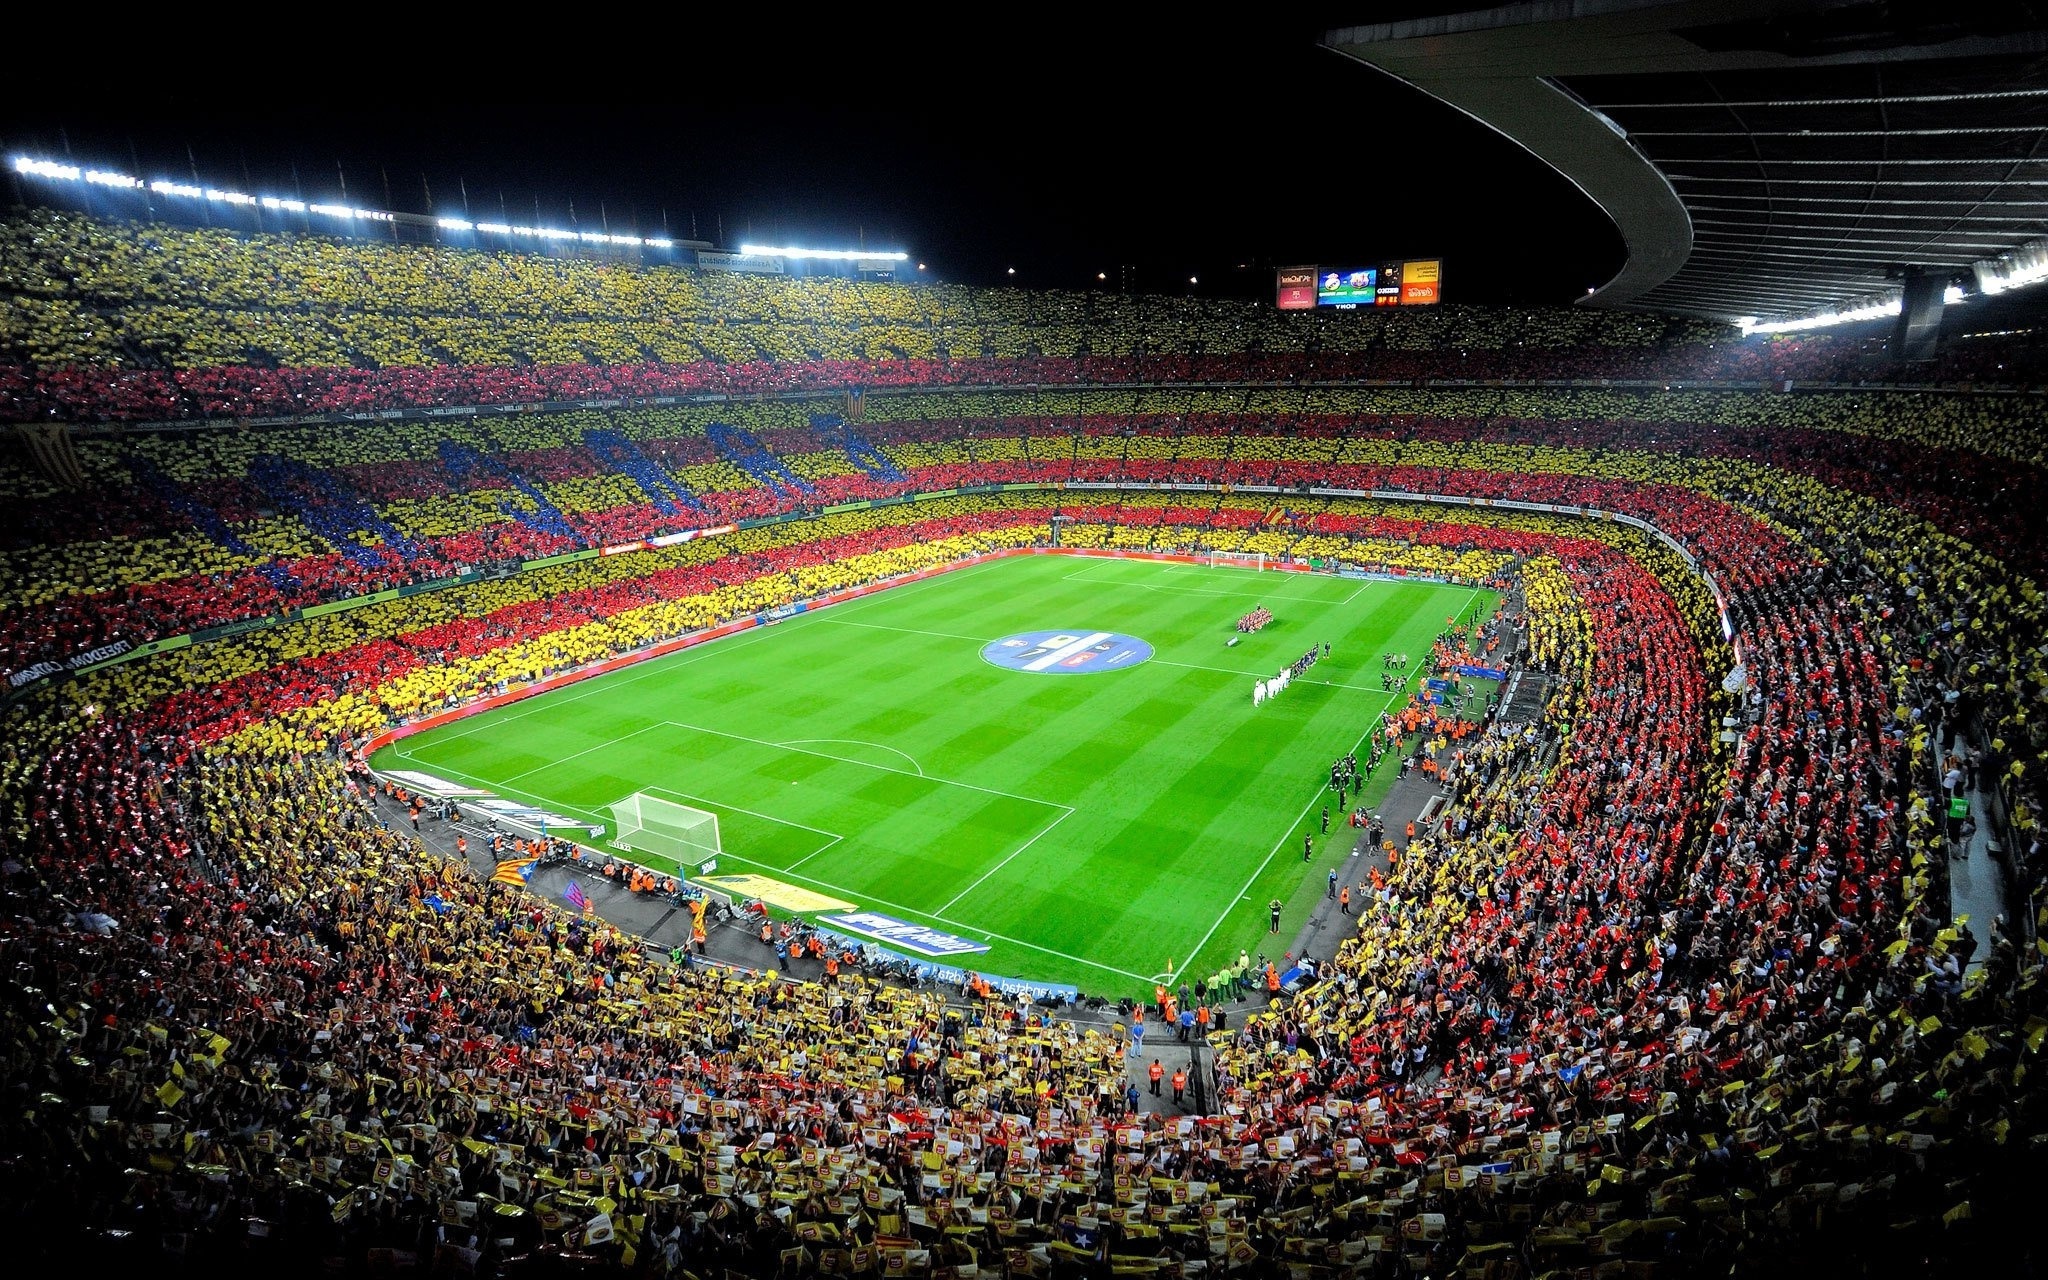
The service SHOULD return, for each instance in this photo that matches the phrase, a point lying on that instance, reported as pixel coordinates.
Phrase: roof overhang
(1690, 124)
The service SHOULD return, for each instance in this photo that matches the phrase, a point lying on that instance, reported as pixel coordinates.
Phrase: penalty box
(845, 822)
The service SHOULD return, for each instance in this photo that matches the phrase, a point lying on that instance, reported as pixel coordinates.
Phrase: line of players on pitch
(1265, 689)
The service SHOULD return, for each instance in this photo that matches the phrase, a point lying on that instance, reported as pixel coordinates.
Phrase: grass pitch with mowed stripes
(1088, 827)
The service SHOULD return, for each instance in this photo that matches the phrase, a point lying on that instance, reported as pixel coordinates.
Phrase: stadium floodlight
(47, 169)
(1875, 309)
(837, 255)
(30, 166)
(2016, 270)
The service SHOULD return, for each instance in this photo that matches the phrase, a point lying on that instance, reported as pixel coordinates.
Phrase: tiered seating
(470, 469)
(329, 510)
(210, 323)
(741, 448)
(1647, 1001)
(869, 459)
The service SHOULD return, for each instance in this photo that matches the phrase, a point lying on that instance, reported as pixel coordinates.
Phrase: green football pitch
(1086, 825)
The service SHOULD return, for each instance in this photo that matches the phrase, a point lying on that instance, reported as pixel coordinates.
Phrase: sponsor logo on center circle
(1066, 653)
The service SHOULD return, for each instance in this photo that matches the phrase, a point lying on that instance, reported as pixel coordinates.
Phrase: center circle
(1073, 652)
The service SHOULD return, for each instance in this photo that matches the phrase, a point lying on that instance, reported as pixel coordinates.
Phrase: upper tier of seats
(107, 320)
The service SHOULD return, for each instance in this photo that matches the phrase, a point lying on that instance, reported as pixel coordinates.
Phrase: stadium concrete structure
(1761, 160)
(1681, 916)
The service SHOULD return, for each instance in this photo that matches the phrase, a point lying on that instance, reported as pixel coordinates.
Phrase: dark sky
(1062, 150)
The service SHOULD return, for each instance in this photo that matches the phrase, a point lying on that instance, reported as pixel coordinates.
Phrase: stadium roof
(1761, 159)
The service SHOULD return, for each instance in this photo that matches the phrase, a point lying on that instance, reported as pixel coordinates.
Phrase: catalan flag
(515, 870)
(577, 898)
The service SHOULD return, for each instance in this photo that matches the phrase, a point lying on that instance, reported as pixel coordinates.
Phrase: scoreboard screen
(1336, 286)
(1411, 282)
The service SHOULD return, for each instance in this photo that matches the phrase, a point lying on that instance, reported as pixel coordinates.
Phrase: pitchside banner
(902, 933)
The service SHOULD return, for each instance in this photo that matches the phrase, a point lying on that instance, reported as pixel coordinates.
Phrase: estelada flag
(516, 871)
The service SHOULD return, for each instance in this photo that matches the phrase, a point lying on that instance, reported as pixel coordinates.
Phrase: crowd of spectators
(75, 583)
(1431, 1083)
(109, 320)
(1642, 996)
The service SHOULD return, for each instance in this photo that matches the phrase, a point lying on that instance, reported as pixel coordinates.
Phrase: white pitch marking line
(1005, 862)
(815, 852)
(909, 631)
(859, 742)
(586, 751)
(654, 666)
(970, 928)
(1284, 837)
(863, 764)
(540, 801)
(841, 889)
(1468, 602)
(1264, 675)
(1203, 591)
(785, 822)
(706, 649)
(891, 593)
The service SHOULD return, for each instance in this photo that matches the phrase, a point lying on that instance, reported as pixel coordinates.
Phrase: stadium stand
(1649, 999)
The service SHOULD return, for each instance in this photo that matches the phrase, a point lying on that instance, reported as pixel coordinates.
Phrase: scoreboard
(1410, 282)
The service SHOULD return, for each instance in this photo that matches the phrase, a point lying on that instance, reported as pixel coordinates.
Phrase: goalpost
(1238, 560)
(646, 824)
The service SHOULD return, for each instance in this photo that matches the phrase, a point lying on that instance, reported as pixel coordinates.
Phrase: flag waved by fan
(516, 870)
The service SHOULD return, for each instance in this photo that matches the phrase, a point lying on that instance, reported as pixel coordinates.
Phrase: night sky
(1064, 150)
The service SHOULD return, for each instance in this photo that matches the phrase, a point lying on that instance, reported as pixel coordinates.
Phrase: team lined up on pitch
(1265, 689)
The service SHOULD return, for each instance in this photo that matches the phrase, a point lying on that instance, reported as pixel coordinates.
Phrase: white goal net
(1238, 559)
(645, 824)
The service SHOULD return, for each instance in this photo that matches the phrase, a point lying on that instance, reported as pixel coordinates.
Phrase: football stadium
(849, 726)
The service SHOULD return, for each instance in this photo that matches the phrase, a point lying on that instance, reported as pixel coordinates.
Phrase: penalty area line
(719, 804)
(1006, 861)
(862, 764)
(558, 760)
(957, 924)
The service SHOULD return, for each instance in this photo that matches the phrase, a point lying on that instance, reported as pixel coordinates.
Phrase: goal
(645, 824)
(1238, 559)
